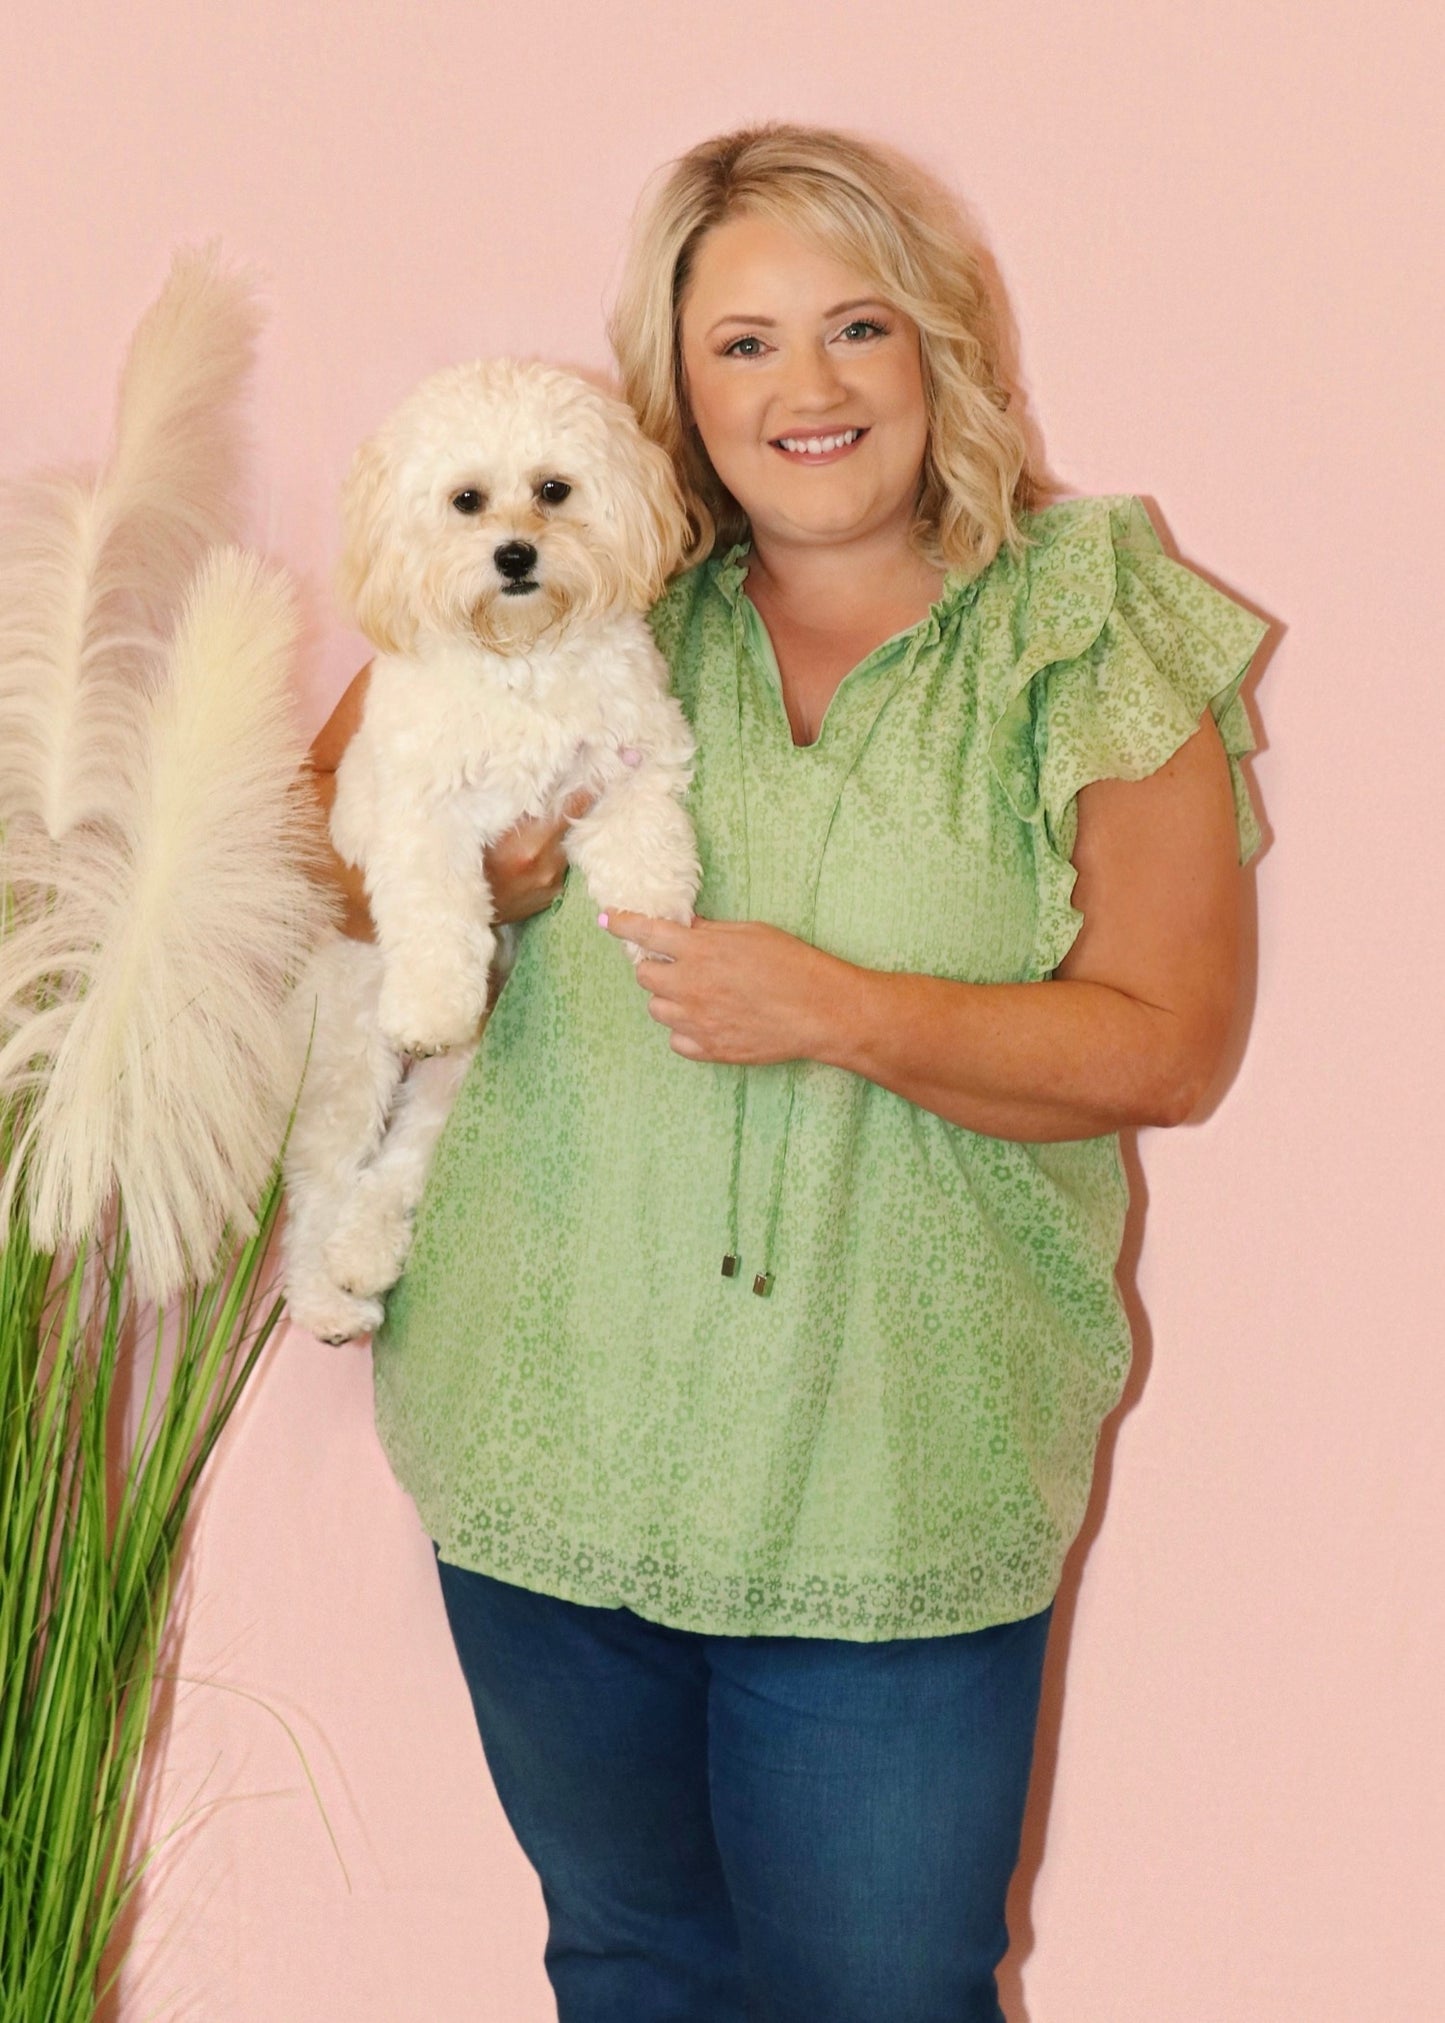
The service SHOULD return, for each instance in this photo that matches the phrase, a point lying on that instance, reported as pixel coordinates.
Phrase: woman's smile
(819, 449)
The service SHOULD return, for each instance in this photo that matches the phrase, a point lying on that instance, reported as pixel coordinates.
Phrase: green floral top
(897, 1439)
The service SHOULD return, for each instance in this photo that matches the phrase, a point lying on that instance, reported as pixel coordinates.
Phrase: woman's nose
(813, 379)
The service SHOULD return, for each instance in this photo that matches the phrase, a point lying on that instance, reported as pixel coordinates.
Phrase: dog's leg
(313, 1298)
(635, 846)
(433, 911)
(350, 1081)
(368, 1248)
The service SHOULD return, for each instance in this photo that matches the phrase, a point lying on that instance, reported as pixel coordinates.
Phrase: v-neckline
(731, 577)
(769, 654)
(736, 563)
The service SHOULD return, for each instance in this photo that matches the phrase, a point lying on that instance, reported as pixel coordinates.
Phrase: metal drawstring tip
(730, 1265)
(763, 1284)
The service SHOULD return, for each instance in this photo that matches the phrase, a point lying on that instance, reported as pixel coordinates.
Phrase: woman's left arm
(1129, 1030)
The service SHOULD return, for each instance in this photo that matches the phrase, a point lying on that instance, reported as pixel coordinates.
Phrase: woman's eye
(734, 350)
(552, 491)
(468, 501)
(864, 326)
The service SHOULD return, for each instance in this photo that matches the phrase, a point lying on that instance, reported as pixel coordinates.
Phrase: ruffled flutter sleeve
(1116, 652)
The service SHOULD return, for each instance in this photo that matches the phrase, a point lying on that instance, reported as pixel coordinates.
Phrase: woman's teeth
(818, 446)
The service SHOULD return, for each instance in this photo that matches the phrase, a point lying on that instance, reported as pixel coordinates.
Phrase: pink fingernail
(602, 920)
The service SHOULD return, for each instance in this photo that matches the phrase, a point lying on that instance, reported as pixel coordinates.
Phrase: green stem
(86, 1575)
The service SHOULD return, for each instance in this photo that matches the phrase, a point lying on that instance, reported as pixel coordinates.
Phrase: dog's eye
(469, 501)
(552, 491)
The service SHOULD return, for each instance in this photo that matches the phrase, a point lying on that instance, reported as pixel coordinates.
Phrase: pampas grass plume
(171, 1079)
(159, 851)
(92, 566)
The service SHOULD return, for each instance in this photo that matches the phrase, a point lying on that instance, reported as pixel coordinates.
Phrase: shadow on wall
(1066, 1605)
(1051, 1710)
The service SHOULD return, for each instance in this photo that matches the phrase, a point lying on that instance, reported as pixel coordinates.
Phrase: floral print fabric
(898, 1439)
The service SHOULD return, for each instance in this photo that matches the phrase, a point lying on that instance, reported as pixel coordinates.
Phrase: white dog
(505, 531)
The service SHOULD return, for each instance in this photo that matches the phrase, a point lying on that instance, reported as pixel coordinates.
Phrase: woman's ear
(371, 576)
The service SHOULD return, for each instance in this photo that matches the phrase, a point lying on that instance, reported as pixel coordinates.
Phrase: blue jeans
(776, 1829)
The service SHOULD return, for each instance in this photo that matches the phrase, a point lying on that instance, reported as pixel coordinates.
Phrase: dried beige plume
(159, 847)
(93, 566)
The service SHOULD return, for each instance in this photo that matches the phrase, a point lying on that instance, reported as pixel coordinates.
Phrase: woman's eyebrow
(770, 322)
(738, 316)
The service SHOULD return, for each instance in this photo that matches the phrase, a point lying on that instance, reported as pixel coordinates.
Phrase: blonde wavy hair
(863, 204)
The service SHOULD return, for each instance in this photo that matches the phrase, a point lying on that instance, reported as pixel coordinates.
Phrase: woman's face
(805, 384)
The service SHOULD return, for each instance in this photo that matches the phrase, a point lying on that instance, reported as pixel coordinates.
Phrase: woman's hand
(1129, 1030)
(525, 868)
(734, 990)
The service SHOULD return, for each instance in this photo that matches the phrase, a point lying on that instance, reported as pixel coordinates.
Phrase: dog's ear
(370, 575)
(654, 523)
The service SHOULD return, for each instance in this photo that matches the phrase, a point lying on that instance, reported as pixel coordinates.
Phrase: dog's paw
(427, 1015)
(368, 1247)
(333, 1315)
(658, 900)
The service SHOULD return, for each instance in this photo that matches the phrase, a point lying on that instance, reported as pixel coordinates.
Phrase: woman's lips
(832, 444)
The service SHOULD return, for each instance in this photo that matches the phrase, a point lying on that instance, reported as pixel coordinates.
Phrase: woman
(747, 1372)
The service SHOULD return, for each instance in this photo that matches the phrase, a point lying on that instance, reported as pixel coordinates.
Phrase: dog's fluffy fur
(497, 692)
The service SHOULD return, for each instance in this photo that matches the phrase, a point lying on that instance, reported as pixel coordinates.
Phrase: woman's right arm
(327, 747)
(525, 868)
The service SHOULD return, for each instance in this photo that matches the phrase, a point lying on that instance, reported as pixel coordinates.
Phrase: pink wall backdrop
(1222, 232)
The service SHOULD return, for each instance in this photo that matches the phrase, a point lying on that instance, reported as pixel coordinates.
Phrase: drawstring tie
(740, 1111)
(763, 1279)
(732, 1257)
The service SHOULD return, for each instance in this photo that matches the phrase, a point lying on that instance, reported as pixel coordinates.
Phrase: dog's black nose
(515, 559)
